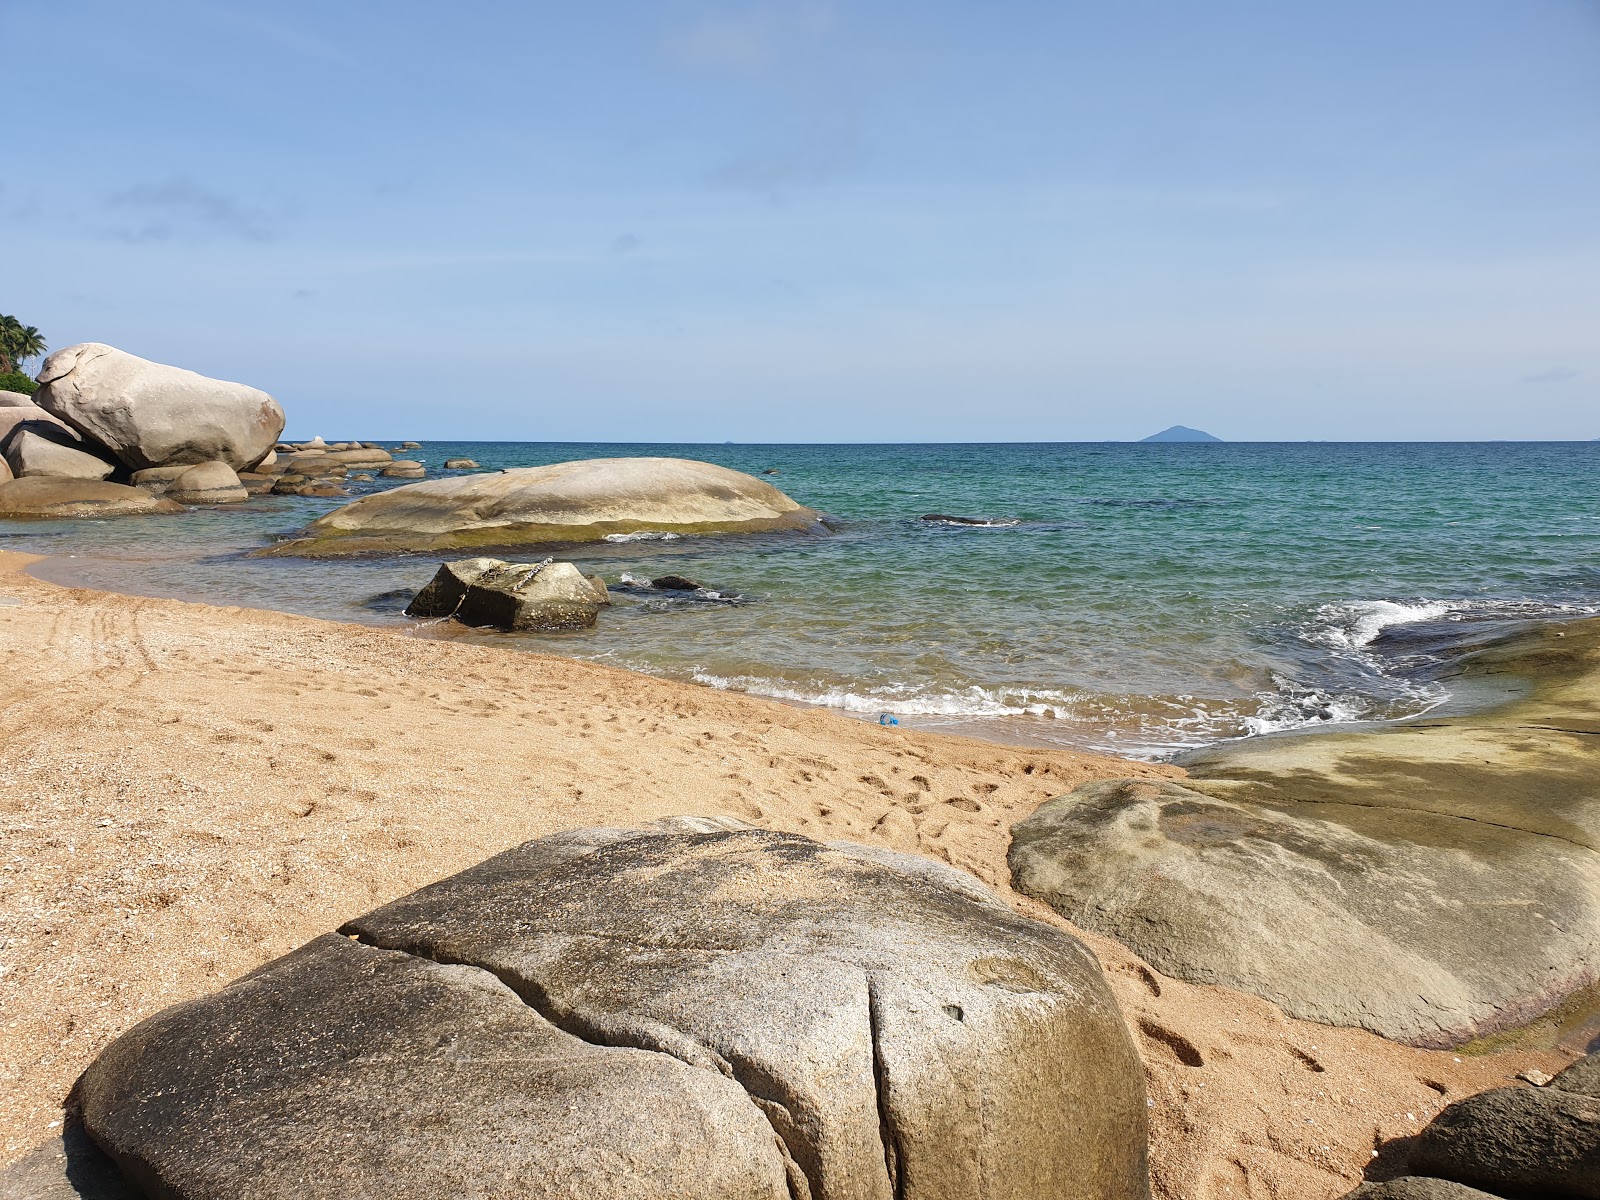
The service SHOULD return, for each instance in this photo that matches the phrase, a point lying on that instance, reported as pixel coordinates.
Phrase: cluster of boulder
(319, 468)
(700, 1010)
(520, 597)
(109, 433)
(1541, 1140)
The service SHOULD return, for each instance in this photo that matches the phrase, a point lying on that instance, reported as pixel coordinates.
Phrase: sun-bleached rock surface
(15, 400)
(566, 502)
(151, 415)
(49, 496)
(1433, 881)
(30, 416)
(729, 1013)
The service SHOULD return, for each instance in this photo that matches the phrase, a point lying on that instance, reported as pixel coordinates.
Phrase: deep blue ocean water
(1139, 598)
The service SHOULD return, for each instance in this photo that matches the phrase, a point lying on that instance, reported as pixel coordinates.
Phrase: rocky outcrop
(29, 416)
(31, 453)
(150, 415)
(567, 502)
(523, 597)
(1434, 881)
(720, 1015)
(1510, 1141)
(207, 483)
(46, 496)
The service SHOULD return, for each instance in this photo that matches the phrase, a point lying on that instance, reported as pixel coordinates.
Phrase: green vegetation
(16, 381)
(18, 342)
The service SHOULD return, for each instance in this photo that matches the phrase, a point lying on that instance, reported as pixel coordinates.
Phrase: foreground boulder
(1433, 882)
(722, 1015)
(30, 416)
(15, 400)
(151, 415)
(567, 502)
(207, 483)
(512, 596)
(32, 453)
(46, 496)
(1509, 1141)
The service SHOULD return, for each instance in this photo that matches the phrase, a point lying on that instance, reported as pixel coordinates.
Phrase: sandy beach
(190, 791)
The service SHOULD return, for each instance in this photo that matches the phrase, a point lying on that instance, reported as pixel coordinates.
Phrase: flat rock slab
(1434, 881)
(566, 502)
(48, 496)
(626, 1014)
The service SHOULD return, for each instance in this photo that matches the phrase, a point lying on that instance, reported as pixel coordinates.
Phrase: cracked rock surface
(612, 1013)
(1432, 881)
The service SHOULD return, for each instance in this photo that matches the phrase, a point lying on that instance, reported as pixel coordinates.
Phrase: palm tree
(17, 342)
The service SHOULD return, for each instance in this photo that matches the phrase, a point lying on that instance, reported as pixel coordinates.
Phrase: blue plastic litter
(886, 719)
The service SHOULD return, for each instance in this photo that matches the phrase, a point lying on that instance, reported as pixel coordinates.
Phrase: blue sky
(825, 222)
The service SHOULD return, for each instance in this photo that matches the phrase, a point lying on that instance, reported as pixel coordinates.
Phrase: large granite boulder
(207, 483)
(152, 415)
(567, 502)
(723, 1015)
(32, 453)
(511, 596)
(1434, 881)
(15, 400)
(47, 496)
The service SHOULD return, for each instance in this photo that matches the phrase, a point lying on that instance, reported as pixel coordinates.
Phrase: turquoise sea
(1136, 598)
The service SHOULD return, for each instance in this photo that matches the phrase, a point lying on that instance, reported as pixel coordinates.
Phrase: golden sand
(187, 791)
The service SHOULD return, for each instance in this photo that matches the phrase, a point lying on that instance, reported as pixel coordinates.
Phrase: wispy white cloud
(748, 40)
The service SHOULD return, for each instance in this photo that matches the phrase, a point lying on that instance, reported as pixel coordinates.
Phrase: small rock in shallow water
(524, 597)
(675, 583)
(460, 464)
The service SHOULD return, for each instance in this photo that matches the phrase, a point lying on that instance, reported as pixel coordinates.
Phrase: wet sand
(189, 791)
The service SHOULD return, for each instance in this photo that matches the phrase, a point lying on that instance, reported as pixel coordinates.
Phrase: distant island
(1181, 433)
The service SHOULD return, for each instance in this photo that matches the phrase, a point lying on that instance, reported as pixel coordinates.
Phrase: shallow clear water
(1140, 598)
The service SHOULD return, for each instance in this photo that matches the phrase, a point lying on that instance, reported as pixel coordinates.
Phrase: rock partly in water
(675, 583)
(1434, 881)
(151, 415)
(47, 496)
(404, 468)
(728, 1015)
(254, 484)
(567, 502)
(524, 597)
(156, 480)
(208, 483)
(460, 464)
(31, 453)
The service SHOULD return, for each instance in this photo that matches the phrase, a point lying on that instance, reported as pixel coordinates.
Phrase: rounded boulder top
(585, 501)
(151, 415)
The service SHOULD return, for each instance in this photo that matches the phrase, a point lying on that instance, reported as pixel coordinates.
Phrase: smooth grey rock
(47, 496)
(207, 483)
(460, 464)
(1433, 881)
(565, 502)
(32, 417)
(404, 468)
(152, 415)
(727, 1015)
(157, 480)
(1417, 1187)
(1516, 1141)
(15, 400)
(31, 453)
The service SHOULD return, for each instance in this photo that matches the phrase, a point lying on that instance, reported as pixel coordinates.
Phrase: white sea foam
(647, 535)
(1351, 626)
(906, 700)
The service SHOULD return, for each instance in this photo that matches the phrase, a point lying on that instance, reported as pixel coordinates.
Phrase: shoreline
(192, 790)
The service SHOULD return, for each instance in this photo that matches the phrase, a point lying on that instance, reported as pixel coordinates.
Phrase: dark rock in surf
(511, 596)
(722, 1015)
(675, 583)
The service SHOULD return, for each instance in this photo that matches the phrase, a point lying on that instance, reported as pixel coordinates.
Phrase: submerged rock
(1433, 881)
(207, 483)
(522, 597)
(567, 502)
(31, 453)
(726, 1015)
(44, 496)
(151, 415)
(675, 583)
